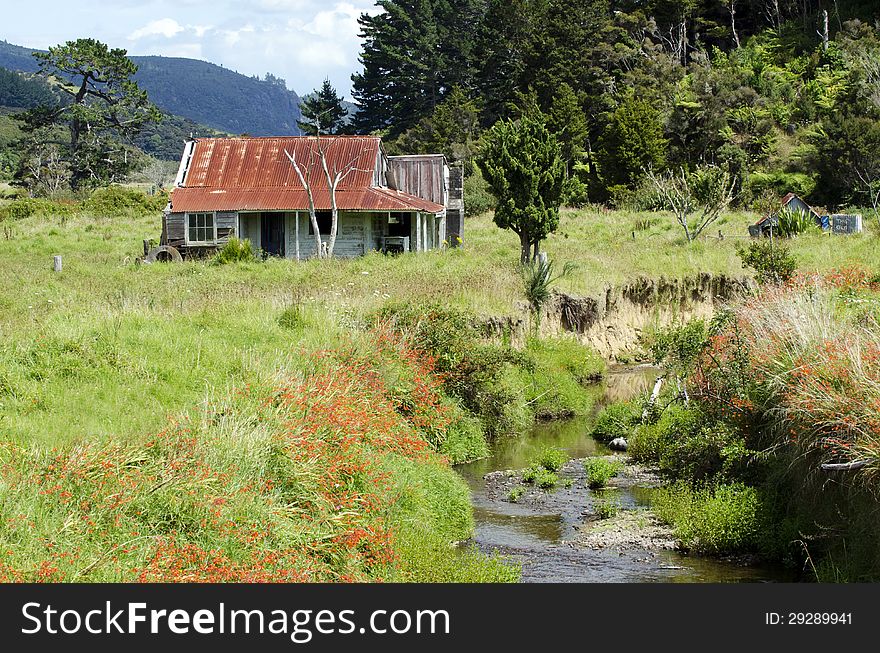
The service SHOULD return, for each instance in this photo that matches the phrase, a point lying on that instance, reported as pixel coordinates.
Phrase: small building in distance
(248, 188)
(838, 223)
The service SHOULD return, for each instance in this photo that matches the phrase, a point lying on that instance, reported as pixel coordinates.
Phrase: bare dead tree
(772, 13)
(305, 178)
(731, 8)
(695, 199)
(318, 149)
(825, 33)
(870, 180)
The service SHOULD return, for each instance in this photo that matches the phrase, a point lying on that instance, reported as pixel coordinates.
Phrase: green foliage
(465, 441)
(322, 112)
(601, 470)
(676, 347)
(538, 279)
(847, 158)
(552, 375)
(615, 421)
(26, 207)
(650, 442)
(522, 164)
(631, 143)
(552, 459)
(722, 519)
(778, 184)
(112, 201)
(575, 193)
(606, 508)
(106, 107)
(451, 129)
(516, 493)
(477, 198)
(20, 91)
(772, 262)
(235, 251)
(505, 388)
(540, 477)
(567, 121)
(793, 222)
(413, 53)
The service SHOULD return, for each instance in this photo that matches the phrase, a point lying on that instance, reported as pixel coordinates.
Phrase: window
(201, 228)
(325, 222)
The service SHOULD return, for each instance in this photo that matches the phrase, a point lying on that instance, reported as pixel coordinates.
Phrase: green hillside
(202, 92)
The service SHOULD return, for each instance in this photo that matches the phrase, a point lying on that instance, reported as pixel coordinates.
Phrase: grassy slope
(107, 347)
(110, 350)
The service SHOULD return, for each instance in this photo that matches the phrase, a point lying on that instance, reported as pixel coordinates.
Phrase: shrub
(477, 198)
(464, 441)
(600, 471)
(540, 476)
(552, 376)
(723, 519)
(115, 200)
(703, 454)
(773, 263)
(650, 442)
(552, 459)
(516, 493)
(793, 222)
(25, 207)
(615, 421)
(574, 192)
(235, 251)
(606, 508)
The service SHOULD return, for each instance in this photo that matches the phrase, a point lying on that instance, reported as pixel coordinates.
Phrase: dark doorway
(272, 233)
(400, 224)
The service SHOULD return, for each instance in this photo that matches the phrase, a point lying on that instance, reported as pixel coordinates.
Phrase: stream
(540, 534)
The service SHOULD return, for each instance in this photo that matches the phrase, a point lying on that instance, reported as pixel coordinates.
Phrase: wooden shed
(248, 187)
(431, 177)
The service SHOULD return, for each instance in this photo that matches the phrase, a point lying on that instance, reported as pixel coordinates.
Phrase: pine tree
(522, 164)
(567, 121)
(106, 109)
(632, 143)
(322, 111)
(452, 129)
(502, 45)
(415, 52)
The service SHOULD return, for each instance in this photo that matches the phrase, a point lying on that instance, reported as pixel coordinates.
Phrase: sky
(301, 41)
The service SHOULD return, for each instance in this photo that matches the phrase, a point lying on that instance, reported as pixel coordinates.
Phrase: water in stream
(538, 536)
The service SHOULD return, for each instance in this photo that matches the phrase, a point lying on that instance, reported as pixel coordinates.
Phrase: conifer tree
(323, 111)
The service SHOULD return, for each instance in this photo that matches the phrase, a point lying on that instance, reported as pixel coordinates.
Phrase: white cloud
(167, 27)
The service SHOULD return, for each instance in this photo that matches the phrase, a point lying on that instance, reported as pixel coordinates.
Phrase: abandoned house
(838, 223)
(250, 188)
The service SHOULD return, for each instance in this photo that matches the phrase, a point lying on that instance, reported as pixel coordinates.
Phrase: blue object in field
(826, 222)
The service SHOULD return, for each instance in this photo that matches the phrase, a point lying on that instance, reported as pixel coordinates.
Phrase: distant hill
(202, 92)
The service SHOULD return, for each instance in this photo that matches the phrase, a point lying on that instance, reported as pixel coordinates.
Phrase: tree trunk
(732, 7)
(525, 248)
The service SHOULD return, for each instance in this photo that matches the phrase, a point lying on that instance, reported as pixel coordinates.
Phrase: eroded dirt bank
(613, 321)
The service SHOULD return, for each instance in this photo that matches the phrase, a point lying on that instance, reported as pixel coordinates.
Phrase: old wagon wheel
(163, 253)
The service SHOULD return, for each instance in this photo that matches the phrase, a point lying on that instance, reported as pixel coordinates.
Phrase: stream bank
(613, 321)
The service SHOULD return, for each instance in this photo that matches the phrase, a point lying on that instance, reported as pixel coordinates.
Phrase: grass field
(108, 346)
(98, 359)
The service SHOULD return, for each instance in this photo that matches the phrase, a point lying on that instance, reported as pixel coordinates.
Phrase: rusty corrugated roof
(255, 174)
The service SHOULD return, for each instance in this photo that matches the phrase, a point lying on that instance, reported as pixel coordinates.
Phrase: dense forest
(783, 94)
